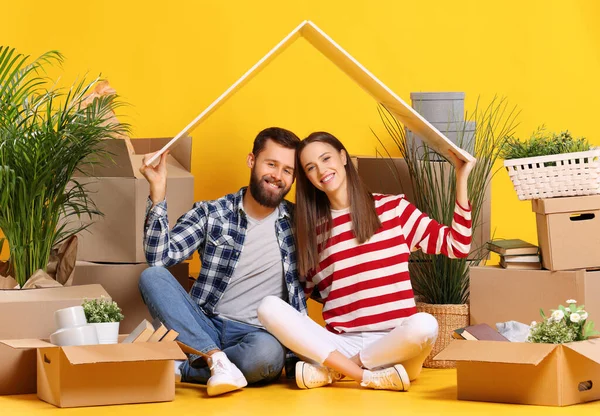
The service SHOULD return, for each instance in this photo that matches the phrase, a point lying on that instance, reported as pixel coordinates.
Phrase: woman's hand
(463, 169)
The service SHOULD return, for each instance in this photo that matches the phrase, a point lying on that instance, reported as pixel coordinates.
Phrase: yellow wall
(169, 60)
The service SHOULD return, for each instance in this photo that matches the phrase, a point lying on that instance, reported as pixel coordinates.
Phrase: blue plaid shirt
(217, 229)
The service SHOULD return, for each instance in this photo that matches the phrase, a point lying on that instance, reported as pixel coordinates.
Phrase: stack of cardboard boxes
(111, 251)
(569, 239)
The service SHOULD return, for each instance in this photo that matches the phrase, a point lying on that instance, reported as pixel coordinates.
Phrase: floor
(433, 394)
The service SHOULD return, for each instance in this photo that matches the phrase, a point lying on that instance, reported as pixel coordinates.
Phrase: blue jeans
(258, 354)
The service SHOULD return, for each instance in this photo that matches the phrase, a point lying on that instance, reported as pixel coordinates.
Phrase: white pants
(408, 344)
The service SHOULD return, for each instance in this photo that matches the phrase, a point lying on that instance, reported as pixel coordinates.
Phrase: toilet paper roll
(80, 335)
(70, 317)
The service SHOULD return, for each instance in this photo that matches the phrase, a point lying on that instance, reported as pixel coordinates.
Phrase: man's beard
(263, 195)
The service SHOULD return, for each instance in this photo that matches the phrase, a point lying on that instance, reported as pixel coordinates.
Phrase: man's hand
(156, 177)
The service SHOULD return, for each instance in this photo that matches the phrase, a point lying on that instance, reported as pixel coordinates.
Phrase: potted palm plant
(441, 284)
(46, 133)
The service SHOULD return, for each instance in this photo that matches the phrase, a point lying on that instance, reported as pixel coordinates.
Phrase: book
(512, 247)
(170, 336)
(528, 266)
(159, 331)
(457, 333)
(481, 332)
(461, 334)
(141, 333)
(533, 258)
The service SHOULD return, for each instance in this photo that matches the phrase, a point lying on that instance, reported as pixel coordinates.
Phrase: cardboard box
(121, 282)
(524, 373)
(95, 375)
(501, 295)
(30, 314)
(568, 231)
(17, 367)
(120, 193)
(391, 176)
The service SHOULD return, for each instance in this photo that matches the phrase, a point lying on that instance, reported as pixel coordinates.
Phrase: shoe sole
(300, 375)
(403, 376)
(226, 387)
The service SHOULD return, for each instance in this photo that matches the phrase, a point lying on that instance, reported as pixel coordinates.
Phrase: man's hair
(282, 137)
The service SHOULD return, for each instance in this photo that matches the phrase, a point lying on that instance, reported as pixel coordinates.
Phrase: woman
(353, 249)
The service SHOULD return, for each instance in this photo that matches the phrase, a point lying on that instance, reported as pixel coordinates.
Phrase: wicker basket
(449, 317)
(566, 174)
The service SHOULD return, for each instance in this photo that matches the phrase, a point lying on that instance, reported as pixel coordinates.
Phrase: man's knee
(152, 278)
(264, 363)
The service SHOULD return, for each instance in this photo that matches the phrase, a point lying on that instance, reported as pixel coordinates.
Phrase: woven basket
(566, 174)
(449, 317)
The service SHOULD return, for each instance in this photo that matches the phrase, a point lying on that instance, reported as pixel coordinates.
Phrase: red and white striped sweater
(366, 287)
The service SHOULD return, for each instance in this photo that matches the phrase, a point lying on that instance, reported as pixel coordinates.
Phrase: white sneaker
(309, 376)
(391, 378)
(177, 364)
(224, 375)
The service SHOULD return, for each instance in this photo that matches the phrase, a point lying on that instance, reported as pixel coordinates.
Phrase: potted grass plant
(3, 264)
(441, 284)
(551, 165)
(46, 133)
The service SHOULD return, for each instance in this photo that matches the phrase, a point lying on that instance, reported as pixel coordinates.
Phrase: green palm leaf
(45, 137)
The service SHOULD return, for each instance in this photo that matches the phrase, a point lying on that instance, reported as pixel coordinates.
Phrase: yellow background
(169, 60)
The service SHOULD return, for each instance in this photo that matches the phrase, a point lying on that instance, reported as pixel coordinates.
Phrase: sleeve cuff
(467, 209)
(158, 210)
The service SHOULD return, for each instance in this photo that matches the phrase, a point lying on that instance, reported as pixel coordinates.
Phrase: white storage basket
(566, 174)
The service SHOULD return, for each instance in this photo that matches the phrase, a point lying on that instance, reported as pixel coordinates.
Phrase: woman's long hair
(314, 210)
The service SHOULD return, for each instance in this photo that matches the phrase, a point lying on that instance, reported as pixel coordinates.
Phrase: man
(247, 250)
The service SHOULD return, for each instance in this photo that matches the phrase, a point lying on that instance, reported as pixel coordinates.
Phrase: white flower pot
(108, 332)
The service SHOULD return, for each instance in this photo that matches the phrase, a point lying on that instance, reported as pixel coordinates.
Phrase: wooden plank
(343, 60)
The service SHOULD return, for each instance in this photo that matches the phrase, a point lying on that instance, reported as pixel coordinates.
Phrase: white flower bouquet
(565, 324)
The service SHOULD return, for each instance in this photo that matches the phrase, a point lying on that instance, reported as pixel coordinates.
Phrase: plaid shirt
(217, 229)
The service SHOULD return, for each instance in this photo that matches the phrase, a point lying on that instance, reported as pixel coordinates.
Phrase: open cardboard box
(390, 176)
(93, 375)
(568, 231)
(29, 313)
(120, 192)
(525, 373)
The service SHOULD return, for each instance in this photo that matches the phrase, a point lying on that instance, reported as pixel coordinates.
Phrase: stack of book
(151, 332)
(516, 254)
